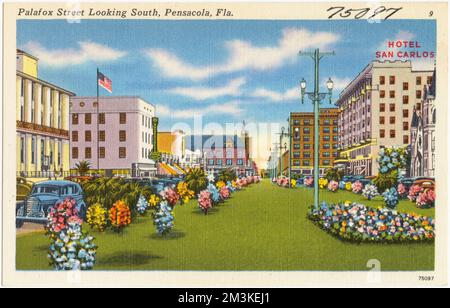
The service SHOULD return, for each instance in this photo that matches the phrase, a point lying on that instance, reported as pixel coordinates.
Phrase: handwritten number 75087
(342, 12)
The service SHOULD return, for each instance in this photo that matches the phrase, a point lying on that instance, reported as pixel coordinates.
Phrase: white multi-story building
(423, 142)
(376, 109)
(124, 133)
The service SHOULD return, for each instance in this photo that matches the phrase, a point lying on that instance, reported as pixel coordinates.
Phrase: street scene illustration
(226, 145)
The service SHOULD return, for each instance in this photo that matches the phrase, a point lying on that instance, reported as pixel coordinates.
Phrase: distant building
(302, 140)
(124, 135)
(221, 152)
(423, 142)
(375, 110)
(42, 129)
(172, 147)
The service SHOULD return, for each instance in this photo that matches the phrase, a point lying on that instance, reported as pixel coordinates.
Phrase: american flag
(105, 82)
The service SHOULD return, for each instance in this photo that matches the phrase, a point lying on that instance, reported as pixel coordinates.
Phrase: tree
(83, 167)
(196, 180)
(227, 175)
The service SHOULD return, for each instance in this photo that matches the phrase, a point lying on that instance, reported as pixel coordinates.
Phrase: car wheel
(19, 223)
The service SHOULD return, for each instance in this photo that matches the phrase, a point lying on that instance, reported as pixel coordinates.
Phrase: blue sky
(228, 71)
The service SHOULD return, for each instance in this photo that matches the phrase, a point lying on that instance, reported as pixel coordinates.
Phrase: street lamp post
(316, 97)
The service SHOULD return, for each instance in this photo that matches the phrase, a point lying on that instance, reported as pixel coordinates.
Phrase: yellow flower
(221, 184)
(348, 186)
(154, 201)
(293, 183)
(323, 183)
(96, 216)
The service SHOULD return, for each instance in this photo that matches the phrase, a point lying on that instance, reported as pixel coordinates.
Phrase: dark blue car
(43, 196)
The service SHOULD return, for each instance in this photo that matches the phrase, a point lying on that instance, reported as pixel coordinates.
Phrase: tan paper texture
(179, 79)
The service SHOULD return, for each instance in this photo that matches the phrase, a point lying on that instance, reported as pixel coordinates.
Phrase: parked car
(23, 188)
(408, 182)
(43, 196)
(425, 182)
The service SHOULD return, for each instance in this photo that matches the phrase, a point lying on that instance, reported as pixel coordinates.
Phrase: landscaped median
(262, 227)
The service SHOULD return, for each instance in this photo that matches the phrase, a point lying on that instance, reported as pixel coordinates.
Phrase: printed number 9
(431, 13)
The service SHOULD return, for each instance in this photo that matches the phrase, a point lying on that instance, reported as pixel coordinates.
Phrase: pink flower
(333, 186)
(357, 187)
(414, 192)
(309, 181)
(204, 201)
(224, 193)
(426, 199)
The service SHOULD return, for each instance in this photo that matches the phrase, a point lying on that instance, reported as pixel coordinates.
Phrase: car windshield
(54, 190)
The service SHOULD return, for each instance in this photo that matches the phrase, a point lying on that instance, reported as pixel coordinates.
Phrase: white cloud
(243, 55)
(233, 88)
(87, 51)
(288, 95)
(230, 108)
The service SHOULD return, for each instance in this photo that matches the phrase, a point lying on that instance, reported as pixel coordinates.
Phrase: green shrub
(196, 180)
(385, 181)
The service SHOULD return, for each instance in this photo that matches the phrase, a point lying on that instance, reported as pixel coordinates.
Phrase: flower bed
(354, 222)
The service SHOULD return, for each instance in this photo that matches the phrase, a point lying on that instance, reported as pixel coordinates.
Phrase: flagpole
(98, 126)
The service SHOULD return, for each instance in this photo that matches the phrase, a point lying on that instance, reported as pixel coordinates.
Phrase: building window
(122, 152)
(391, 79)
(392, 133)
(382, 94)
(33, 150)
(22, 87)
(59, 152)
(418, 81)
(405, 86)
(211, 162)
(335, 138)
(326, 162)
(296, 154)
(219, 162)
(326, 130)
(382, 80)
(405, 99)
(75, 153)
(101, 135)
(229, 162)
(326, 146)
(326, 122)
(87, 136)
(382, 107)
(122, 136)
(240, 162)
(101, 118)
(306, 138)
(306, 154)
(123, 118)
(306, 130)
(87, 152)
(392, 107)
(75, 118)
(429, 80)
(391, 94)
(101, 152)
(306, 146)
(326, 154)
(75, 136)
(405, 113)
(391, 120)
(418, 94)
(381, 120)
(326, 138)
(296, 122)
(306, 122)
(87, 118)
(405, 126)
(306, 163)
(382, 133)
(405, 139)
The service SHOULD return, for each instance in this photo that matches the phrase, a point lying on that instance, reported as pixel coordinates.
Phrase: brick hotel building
(302, 140)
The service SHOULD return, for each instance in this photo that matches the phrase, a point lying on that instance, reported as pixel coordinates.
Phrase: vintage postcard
(225, 144)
